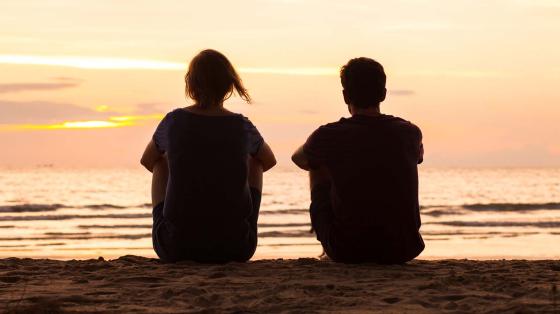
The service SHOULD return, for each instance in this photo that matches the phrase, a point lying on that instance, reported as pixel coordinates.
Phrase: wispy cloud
(455, 73)
(138, 64)
(317, 71)
(308, 112)
(401, 92)
(90, 62)
(38, 115)
(115, 63)
(43, 112)
(61, 83)
(149, 108)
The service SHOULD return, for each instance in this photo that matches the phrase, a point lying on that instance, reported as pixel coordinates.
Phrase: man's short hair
(363, 80)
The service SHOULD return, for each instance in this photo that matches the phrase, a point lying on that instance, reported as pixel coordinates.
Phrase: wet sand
(134, 284)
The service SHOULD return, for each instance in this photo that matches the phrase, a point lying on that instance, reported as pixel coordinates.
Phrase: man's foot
(324, 257)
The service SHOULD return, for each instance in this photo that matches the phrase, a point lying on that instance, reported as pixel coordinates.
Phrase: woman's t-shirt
(208, 199)
(161, 135)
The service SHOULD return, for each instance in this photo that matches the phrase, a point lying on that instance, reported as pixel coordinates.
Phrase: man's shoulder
(404, 124)
(329, 127)
(326, 132)
(389, 121)
(334, 125)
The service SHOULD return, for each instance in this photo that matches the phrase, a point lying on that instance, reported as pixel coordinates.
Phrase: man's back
(372, 164)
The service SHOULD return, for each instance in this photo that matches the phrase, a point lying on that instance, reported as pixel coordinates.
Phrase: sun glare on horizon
(111, 122)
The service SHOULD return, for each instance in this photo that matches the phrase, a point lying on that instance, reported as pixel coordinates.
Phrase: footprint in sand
(168, 294)
(217, 275)
(451, 306)
(10, 279)
(391, 300)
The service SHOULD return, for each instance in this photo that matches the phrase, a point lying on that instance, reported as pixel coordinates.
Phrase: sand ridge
(133, 284)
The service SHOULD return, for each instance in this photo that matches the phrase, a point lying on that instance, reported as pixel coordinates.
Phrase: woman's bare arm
(151, 156)
(266, 157)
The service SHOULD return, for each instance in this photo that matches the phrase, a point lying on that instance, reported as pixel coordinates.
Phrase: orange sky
(84, 83)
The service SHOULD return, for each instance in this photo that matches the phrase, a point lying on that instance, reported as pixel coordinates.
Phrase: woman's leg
(160, 174)
(255, 179)
(160, 234)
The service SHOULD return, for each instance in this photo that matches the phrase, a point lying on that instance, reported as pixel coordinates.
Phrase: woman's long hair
(211, 79)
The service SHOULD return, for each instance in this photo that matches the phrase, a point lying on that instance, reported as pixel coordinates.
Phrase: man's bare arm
(421, 153)
(300, 159)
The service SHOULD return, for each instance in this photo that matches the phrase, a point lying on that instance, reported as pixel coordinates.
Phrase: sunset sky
(84, 83)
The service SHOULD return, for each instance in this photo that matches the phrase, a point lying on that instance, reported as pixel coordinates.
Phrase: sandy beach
(134, 284)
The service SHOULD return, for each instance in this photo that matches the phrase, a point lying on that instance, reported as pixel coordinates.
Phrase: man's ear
(383, 95)
(346, 98)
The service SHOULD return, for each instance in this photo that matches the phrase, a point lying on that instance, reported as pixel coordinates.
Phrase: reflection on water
(475, 213)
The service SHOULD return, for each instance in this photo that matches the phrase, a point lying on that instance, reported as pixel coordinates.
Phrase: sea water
(62, 213)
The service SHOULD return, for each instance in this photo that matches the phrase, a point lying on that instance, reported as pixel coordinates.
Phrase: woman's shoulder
(172, 113)
(247, 122)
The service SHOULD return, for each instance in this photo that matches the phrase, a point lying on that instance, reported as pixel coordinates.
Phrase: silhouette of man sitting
(364, 175)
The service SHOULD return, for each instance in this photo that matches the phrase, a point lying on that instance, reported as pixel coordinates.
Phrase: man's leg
(255, 180)
(318, 176)
(321, 207)
(160, 174)
(160, 235)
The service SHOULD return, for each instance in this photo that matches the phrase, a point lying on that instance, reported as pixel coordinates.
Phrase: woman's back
(207, 166)
(208, 197)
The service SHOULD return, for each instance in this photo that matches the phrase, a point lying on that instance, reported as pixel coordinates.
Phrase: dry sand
(133, 284)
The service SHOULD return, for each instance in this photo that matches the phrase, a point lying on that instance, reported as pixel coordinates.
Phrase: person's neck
(372, 111)
(209, 107)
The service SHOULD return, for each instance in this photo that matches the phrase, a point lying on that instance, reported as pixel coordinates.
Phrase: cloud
(308, 112)
(61, 83)
(401, 92)
(456, 73)
(66, 79)
(150, 108)
(303, 71)
(90, 62)
(101, 63)
(39, 115)
(16, 112)
(21, 87)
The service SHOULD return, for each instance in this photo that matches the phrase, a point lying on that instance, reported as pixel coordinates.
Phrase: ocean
(51, 212)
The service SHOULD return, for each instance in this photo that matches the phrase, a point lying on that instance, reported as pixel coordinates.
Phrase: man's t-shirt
(372, 162)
